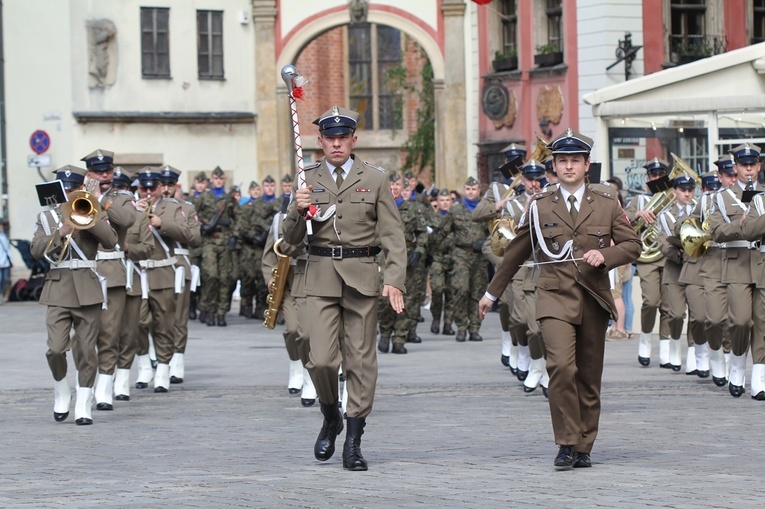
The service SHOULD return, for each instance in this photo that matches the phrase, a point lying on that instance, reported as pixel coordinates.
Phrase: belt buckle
(337, 252)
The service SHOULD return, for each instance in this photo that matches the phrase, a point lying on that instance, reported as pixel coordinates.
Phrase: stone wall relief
(102, 53)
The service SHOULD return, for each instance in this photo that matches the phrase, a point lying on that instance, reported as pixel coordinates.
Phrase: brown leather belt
(340, 252)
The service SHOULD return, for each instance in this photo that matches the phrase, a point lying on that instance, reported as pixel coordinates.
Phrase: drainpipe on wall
(3, 152)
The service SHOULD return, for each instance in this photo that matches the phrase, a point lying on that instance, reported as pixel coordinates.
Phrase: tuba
(277, 286)
(81, 211)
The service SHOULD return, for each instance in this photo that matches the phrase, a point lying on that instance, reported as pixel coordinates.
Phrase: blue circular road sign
(39, 141)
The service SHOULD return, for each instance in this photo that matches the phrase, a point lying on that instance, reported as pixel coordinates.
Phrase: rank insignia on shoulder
(312, 166)
(373, 166)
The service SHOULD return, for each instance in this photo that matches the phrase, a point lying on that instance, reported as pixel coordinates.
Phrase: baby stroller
(29, 289)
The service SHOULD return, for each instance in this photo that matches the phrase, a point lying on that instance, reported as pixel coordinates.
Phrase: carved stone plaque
(102, 53)
(550, 104)
(499, 104)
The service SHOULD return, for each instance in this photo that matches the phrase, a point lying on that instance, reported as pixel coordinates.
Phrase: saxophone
(276, 288)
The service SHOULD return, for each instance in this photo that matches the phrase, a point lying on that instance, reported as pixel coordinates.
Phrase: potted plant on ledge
(548, 55)
(507, 61)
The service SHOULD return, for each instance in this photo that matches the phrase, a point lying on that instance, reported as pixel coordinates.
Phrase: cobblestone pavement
(451, 428)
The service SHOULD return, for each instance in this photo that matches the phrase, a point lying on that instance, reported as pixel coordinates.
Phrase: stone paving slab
(451, 428)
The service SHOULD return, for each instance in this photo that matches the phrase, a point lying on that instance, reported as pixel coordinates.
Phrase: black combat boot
(221, 320)
(193, 306)
(332, 426)
(384, 344)
(412, 337)
(435, 327)
(246, 311)
(352, 458)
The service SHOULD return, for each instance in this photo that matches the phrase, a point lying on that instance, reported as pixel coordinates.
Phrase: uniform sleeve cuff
(490, 297)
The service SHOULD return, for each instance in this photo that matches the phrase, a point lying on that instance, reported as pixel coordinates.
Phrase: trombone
(81, 211)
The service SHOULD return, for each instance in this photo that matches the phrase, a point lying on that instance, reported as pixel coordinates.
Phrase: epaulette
(375, 167)
(187, 202)
(171, 200)
(603, 190)
(312, 166)
(124, 191)
(547, 191)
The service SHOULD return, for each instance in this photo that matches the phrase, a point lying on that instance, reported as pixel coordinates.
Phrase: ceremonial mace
(295, 84)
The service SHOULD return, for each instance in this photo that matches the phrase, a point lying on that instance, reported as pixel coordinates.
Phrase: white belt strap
(740, 244)
(155, 264)
(110, 255)
(75, 264)
(180, 278)
(181, 251)
(144, 284)
(101, 279)
(194, 283)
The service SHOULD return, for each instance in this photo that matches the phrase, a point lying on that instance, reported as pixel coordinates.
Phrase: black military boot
(352, 458)
(246, 311)
(259, 310)
(384, 344)
(221, 320)
(211, 319)
(193, 306)
(203, 316)
(461, 335)
(448, 331)
(412, 337)
(435, 327)
(332, 426)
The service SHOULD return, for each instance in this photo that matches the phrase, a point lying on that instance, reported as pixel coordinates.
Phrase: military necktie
(572, 209)
(339, 177)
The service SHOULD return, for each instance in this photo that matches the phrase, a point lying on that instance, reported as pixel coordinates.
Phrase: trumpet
(81, 211)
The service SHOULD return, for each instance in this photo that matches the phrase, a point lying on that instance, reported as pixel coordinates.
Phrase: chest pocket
(363, 206)
(554, 237)
(320, 198)
(598, 236)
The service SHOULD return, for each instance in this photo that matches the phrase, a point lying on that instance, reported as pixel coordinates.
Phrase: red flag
(482, 2)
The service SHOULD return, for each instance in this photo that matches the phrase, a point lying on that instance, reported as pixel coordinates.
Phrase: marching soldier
(341, 278)
(295, 336)
(171, 191)
(499, 201)
(673, 292)
(168, 226)
(574, 301)
(398, 325)
(469, 274)
(694, 276)
(121, 212)
(259, 222)
(195, 253)
(650, 272)
(74, 294)
(740, 259)
(753, 228)
(216, 213)
(137, 245)
(440, 247)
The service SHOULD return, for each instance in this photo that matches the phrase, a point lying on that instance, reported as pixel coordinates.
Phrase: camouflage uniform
(469, 277)
(439, 249)
(415, 233)
(216, 257)
(195, 252)
(259, 223)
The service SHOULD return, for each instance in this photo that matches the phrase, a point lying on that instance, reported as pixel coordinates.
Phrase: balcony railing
(688, 48)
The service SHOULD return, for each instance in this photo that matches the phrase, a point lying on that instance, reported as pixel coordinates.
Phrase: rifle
(209, 227)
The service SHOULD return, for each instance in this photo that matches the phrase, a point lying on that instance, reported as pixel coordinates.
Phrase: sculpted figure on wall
(102, 53)
(550, 104)
(359, 10)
